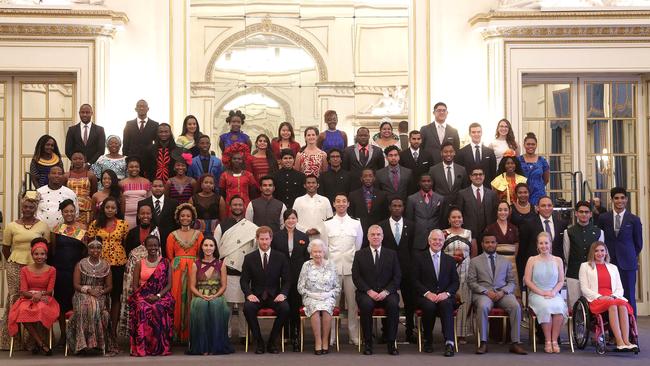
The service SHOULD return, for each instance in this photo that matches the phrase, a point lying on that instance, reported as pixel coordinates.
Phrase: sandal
(547, 347)
(556, 347)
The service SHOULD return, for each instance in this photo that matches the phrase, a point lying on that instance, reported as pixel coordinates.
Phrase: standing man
(475, 154)
(624, 239)
(368, 204)
(376, 275)
(51, 195)
(235, 237)
(265, 282)
(436, 281)
(398, 236)
(140, 132)
(344, 237)
(335, 179)
(448, 177)
(478, 204)
(86, 137)
(438, 132)
(416, 158)
(290, 183)
(163, 210)
(423, 208)
(577, 240)
(266, 210)
(360, 156)
(395, 179)
(206, 162)
(313, 209)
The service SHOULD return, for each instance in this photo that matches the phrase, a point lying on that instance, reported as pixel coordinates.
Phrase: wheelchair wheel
(601, 345)
(581, 323)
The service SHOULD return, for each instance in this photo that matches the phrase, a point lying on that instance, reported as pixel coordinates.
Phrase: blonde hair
(592, 250)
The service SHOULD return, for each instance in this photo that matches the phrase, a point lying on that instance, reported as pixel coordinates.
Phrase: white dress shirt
(372, 251)
(480, 189)
(550, 223)
(344, 237)
(312, 212)
(399, 223)
(440, 130)
(453, 172)
(161, 199)
(268, 255)
(480, 152)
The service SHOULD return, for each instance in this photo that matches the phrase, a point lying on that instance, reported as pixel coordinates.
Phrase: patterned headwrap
(95, 243)
(237, 147)
(119, 140)
(40, 245)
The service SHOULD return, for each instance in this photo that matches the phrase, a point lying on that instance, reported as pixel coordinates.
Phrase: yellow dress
(81, 187)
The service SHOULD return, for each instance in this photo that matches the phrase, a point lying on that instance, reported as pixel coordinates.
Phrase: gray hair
(316, 242)
(435, 231)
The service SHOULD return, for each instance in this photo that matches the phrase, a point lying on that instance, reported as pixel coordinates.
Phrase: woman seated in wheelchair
(601, 285)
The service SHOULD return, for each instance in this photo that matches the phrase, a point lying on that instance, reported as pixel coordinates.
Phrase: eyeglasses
(584, 212)
(477, 174)
(440, 111)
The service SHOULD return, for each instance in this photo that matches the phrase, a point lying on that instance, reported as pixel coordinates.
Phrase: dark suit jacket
(299, 254)
(424, 163)
(424, 274)
(132, 240)
(476, 219)
(93, 149)
(405, 185)
(439, 176)
(385, 276)
(165, 221)
(534, 226)
(135, 142)
(358, 209)
(465, 157)
(425, 216)
(352, 164)
(625, 247)
(404, 249)
(275, 279)
(431, 143)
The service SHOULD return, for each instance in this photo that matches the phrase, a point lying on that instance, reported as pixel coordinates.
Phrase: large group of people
(163, 242)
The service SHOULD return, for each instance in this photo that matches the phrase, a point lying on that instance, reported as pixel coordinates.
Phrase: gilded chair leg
(302, 332)
(456, 335)
(570, 324)
(246, 341)
(338, 329)
(532, 328)
(11, 347)
(505, 329)
(282, 339)
(419, 334)
(359, 335)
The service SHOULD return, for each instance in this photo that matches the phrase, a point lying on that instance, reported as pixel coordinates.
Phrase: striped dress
(179, 191)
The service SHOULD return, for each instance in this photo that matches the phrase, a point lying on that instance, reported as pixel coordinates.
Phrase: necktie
(156, 208)
(617, 223)
(450, 180)
(376, 257)
(493, 265)
(363, 156)
(477, 154)
(436, 264)
(141, 126)
(266, 261)
(398, 233)
(426, 198)
(547, 227)
(441, 133)
(85, 134)
(478, 195)
(396, 179)
(415, 156)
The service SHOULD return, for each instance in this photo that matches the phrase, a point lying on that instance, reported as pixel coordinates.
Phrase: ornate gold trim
(56, 30)
(581, 31)
(119, 17)
(251, 90)
(265, 26)
(557, 15)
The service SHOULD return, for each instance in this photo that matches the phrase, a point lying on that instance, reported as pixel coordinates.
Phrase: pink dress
(131, 194)
(311, 164)
(25, 310)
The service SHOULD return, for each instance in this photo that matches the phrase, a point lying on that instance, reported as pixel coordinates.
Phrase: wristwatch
(159, 296)
(448, 294)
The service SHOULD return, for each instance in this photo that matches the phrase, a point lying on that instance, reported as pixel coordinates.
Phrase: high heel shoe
(325, 351)
(547, 347)
(318, 352)
(556, 347)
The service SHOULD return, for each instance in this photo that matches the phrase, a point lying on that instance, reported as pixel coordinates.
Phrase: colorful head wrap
(40, 245)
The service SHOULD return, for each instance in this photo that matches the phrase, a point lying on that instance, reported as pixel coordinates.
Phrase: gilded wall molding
(56, 30)
(557, 15)
(577, 31)
(117, 17)
(267, 27)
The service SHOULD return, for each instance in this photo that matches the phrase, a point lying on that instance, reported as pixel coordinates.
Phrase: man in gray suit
(395, 179)
(492, 283)
(437, 132)
(360, 156)
(478, 204)
(423, 208)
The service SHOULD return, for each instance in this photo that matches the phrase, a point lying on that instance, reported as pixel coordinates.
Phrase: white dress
(499, 147)
(319, 287)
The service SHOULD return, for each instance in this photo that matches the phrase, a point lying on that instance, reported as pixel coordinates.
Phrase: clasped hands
(377, 296)
(437, 297)
(253, 298)
(495, 295)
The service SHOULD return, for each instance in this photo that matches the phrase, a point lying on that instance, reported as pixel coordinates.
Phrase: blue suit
(624, 249)
(215, 168)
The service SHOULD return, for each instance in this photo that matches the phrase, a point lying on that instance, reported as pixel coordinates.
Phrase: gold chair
(418, 314)
(265, 313)
(337, 324)
(532, 328)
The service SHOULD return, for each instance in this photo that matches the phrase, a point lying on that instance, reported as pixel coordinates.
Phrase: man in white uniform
(313, 209)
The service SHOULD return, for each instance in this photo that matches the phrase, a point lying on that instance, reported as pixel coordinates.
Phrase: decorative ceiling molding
(115, 17)
(56, 30)
(576, 31)
(557, 15)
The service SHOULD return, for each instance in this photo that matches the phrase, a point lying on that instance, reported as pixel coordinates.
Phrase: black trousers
(444, 310)
(408, 295)
(366, 306)
(295, 302)
(250, 311)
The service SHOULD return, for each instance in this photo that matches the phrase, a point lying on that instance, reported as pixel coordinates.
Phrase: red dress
(24, 310)
(275, 147)
(259, 167)
(241, 185)
(599, 306)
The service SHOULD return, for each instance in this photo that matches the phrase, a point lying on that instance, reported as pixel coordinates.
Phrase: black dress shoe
(367, 350)
(428, 348)
(325, 351)
(296, 345)
(272, 349)
(318, 352)
(392, 350)
(259, 349)
(449, 350)
(482, 348)
(411, 338)
(242, 340)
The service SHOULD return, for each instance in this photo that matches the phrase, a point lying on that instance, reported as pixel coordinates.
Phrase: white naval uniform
(312, 212)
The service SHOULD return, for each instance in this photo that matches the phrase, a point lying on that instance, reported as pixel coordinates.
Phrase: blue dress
(535, 174)
(545, 276)
(333, 139)
(230, 138)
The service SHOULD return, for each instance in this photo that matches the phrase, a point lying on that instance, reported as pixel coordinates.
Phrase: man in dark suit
(398, 236)
(624, 240)
(448, 177)
(436, 281)
(335, 179)
(85, 136)
(360, 156)
(423, 208)
(478, 204)
(368, 203)
(395, 179)
(438, 132)
(297, 254)
(475, 154)
(265, 283)
(415, 158)
(163, 210)
(376, 275)
(140, 132)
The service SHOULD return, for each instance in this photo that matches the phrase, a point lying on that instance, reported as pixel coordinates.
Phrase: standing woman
(332, 138)
(286, 140)
(521, 209)
(16, 248)
(83, 183)
(311, 160)
(189, 138)
(209, 311)
(236, 180)
(90, 324)
(504, 143)
(508, 176)
(151, 306)
(507, 236)
(535, 168)
(68, 247)
(110, 187)
(181, 187)
(182, 248)
(113, 160)
(36, 304)
(460, 246)
(235, 119)
(210, 207)
(385, 137)
(158, 157)
(112, 232)
(134, 189)
(46, 155)
(263, 162)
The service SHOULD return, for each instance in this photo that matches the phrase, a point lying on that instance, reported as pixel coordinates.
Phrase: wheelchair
(584, 323)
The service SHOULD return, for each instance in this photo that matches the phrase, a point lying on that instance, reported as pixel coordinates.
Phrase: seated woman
(319, 286)
(90, 324)
(151, 306)
(209, 311)
(544, 277)
(36, 304)
(601, 284)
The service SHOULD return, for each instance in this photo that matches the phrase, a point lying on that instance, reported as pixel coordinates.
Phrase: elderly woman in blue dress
(544, 278)
(319, 286)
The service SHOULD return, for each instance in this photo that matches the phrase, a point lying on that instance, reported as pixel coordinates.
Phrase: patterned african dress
(113, 249)
(182, 254)
(105, 163)
(81, 187)
(237, 184)
(132, 193)
(179, 191)
(311, 164)
(41, 169)
(64, 257)
(230, 138)
(458, 246)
